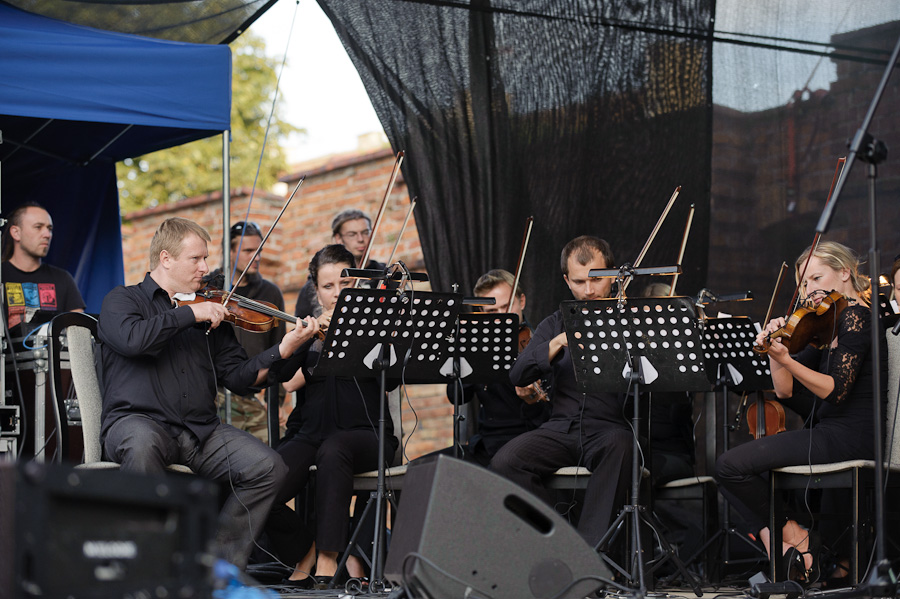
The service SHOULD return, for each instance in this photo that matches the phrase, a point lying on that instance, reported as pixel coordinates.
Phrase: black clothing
(331, 403)
(160, 370)
(49, 289)
(158, 361)
(842, 424)
(584, 429)
(567, 402)
(671, 437)
(502, 416)
(338, 434)
(308, 302)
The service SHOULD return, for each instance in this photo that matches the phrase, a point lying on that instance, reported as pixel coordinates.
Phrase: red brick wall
(357, 181)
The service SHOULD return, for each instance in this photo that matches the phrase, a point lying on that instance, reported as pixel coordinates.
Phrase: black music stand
(732, 364)
(634, 345)
(376, 332)
(482, 351)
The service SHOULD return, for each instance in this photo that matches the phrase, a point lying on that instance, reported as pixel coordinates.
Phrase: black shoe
(303, 583)
(814, 549)
(793, 566)
(322, 582)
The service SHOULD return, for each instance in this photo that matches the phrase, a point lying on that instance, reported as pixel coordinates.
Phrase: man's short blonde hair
(493, 278)
(170, 237)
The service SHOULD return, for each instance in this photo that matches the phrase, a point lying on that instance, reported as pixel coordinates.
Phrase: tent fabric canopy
(206, 22)
(75, 100)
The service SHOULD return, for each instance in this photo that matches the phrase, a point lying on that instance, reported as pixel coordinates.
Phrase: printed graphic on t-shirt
(24, 299)
(47, 296)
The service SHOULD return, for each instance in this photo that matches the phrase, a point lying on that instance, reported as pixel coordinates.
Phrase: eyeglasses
(352, 235)
(247, 228)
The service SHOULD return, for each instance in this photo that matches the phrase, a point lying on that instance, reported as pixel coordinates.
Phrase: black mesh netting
(585, 115)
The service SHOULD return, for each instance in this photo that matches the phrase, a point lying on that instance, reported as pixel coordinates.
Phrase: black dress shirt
(569, 405)
(158, 361)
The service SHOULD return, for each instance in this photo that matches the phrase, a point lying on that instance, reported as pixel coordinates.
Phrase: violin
(524, 340)
(810, 324)
(250, 315)
(765, 417)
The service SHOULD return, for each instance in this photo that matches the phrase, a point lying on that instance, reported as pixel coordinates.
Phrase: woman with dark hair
(336, 432)
(833, 385)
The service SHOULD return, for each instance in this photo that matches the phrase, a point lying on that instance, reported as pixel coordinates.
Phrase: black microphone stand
(882, 581)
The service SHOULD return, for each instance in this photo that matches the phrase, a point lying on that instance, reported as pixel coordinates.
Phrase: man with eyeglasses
(352, 229)
(248, 412)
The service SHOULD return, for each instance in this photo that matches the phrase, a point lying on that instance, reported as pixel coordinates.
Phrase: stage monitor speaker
(89, 534)
(464, 531)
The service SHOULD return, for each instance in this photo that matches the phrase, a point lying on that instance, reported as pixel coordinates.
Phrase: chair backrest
(87, 387)
(891, 434)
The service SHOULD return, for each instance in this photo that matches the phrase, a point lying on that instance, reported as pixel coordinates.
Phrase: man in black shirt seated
(29, 284)
(161, 363)
(587, 430)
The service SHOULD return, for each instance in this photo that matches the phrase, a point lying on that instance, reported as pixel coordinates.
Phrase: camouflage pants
(248, 413)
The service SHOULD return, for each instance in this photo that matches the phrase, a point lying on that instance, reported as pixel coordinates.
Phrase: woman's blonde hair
(837, 257)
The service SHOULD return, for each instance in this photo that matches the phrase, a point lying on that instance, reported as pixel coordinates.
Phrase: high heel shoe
(814, 550)
(793, 566)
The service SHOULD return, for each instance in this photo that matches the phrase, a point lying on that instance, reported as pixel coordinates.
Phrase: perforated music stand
(482, 351)
(377, 333)
(642, 344)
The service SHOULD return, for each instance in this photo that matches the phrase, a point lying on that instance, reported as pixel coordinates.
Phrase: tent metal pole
(226, 226)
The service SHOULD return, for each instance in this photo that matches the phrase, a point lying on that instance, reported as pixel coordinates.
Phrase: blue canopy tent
(73, 101)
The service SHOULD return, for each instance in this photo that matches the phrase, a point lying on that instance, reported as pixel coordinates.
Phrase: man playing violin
(248, 412)
(584, 429)
(161, 363)
(505, 411)
(832, 386)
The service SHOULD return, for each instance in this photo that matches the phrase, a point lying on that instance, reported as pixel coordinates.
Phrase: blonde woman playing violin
(831, 387)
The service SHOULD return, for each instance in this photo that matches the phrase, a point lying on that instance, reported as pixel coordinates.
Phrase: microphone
(896, 329)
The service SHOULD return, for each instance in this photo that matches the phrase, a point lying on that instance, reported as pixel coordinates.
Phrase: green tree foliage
(196, 168)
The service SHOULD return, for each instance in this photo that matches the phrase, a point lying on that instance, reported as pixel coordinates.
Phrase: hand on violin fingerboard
(298, 336)
(211, 312)
(774, 325)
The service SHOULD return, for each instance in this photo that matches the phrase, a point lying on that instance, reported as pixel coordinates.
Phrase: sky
(320, 89)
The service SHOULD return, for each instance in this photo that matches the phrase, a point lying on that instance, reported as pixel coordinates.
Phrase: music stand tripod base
(643, 344)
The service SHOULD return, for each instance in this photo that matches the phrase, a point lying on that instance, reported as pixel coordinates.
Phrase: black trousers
(251, 470)
(743, 472)
(337, 459)
(607, 452)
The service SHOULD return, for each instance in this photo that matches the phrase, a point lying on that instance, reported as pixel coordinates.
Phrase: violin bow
(662, 218)
(412, 206)
(380, 215)
(778, 282)
(263, 242)
(684, 238)
(529, 224)
(839, 167)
